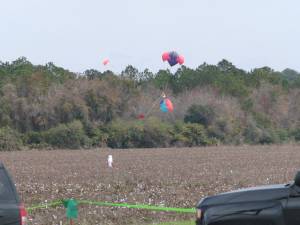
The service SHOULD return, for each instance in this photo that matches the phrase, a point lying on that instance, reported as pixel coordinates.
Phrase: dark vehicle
(266, 205)
(12, 212)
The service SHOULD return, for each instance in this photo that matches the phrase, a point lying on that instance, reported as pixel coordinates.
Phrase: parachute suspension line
(172, 58)
(166, 87)
(154, 103)
(166, 105)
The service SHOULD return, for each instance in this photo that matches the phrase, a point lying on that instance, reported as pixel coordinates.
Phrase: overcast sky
(79, 34)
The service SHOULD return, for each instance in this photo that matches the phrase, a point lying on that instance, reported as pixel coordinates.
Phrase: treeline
(46, 106)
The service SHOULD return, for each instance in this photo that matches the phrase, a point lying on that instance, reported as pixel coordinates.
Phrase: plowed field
(176, 177)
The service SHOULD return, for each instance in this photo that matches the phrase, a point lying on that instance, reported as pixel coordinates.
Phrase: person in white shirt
(110, 161)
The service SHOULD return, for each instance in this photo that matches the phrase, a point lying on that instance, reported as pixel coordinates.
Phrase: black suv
(12, 212)
(267, 205)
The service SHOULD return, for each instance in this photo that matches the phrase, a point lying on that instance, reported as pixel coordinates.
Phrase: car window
(6, 192)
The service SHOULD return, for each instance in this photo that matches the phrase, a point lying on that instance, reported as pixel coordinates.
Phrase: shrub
(117, 134)
(268, 137)
(153, 133)
(138, 134)
(296, 134)
(157, 133)
(191, 135)
(283, 135)
(252, 133)
(256, 135)
(98, 138)
(70, 135)
(35, 139)
(10, 139)
(200, 114)
(262, 120)
(227, 131)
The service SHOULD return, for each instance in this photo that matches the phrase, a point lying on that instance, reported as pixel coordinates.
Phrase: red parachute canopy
(180, 59)
(169, 105)
(165, 56)
(173, 58)
(105, 62)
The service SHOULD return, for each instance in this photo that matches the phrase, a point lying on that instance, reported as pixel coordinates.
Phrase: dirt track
(172, 177)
